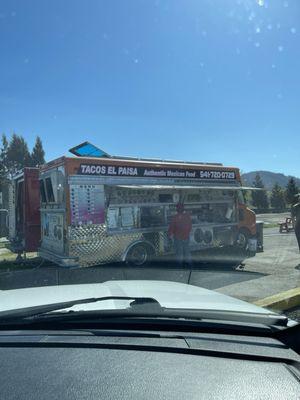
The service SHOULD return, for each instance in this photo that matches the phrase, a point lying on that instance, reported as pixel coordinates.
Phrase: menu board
(112, 218)
(127, 216)
(87, 204)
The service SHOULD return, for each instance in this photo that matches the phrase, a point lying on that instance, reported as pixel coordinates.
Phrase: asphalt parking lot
(275, 270)
(279, 264)
(207, 276)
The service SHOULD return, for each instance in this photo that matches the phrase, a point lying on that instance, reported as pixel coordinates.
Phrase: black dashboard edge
(152, 348)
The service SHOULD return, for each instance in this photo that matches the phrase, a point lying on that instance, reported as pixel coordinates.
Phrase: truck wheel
(138, 255)
(242, 239)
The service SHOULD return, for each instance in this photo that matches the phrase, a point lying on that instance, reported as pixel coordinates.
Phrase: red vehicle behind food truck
(24, 211)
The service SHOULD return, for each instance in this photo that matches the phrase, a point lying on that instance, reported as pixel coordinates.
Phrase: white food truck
(96, 210)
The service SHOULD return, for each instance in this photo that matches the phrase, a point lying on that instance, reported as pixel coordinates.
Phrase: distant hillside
(269, 179)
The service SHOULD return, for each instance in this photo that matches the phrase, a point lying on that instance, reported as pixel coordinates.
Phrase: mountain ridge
(269, 178)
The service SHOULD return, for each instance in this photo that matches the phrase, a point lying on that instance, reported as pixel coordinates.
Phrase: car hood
(168, 294)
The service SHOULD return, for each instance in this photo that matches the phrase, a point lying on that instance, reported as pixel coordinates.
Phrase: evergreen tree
(278, 197)
(291, 191)
(18, 155)
(3, 158)
(259, 197)
(38, 153)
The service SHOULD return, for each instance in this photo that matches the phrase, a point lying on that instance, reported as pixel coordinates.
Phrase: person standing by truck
(180, 229)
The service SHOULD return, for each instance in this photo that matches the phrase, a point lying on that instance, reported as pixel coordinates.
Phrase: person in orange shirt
(180, 229)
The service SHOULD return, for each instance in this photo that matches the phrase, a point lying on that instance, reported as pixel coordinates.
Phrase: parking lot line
(281, 301)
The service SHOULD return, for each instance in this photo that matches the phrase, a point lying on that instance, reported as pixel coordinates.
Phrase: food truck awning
(160, 187)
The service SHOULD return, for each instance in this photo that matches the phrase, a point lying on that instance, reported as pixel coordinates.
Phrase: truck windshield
(49, 190)
(150, 148)
(42, 191)
(241, 197)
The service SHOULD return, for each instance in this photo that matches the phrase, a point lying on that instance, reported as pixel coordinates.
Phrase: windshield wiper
(139, 307)
(147, 302)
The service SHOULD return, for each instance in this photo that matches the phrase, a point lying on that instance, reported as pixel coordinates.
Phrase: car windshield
(148, 152)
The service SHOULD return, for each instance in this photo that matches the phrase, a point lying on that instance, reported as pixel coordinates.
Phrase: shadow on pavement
(207, 275)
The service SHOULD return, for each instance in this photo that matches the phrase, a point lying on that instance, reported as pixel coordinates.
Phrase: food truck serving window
(165, 198)
(152, 216)
(49, 189)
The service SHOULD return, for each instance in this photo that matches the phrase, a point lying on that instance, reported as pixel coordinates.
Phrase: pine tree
(259, 197)
(18, 155)
(3, 158)
(38, 153)
(291, 191)
(278, 197)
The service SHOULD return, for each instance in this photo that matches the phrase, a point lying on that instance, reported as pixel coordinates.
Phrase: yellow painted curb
(281, 301)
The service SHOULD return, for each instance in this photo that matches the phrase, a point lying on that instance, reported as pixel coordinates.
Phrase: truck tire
(139, 255)
(242, 239)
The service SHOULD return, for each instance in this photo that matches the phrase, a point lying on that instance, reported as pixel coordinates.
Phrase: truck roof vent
(87, 149)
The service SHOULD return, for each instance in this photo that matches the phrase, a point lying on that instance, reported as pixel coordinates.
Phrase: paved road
(207, 276)
(275, 270)
(279, 264)
(272, 218)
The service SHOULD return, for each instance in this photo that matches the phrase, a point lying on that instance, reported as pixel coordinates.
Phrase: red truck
(24, 211)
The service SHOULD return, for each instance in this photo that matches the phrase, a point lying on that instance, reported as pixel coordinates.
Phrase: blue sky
(207, 80)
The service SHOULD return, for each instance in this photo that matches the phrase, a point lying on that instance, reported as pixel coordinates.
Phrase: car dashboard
(125, 364)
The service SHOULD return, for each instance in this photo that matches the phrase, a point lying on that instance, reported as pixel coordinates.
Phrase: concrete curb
(282, 301)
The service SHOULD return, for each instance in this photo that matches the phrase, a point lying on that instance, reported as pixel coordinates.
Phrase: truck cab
(247, 226)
